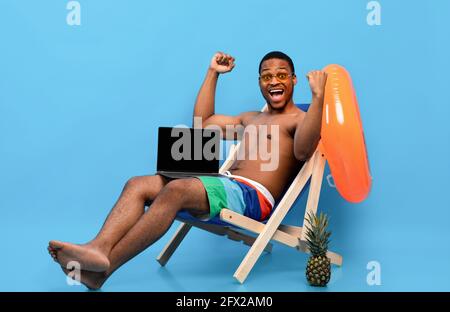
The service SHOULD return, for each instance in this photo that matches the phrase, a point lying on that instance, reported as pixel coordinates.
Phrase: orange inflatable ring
(342, 136)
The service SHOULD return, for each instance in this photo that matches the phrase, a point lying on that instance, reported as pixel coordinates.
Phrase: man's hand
(222, 63)
(307, 133)
(317, 80)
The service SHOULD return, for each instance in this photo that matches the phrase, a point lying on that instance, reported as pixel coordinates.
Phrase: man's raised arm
(307, 133)
(204, 106)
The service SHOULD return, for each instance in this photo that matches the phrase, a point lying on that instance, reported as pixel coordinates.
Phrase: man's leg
(126, 212)
(179, 194)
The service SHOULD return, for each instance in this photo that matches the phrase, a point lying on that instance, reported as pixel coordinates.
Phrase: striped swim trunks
(238, 194)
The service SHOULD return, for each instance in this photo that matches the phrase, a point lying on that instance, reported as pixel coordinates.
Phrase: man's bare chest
(270, 127)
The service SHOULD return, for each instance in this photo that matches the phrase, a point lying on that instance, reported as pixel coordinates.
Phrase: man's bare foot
(92, 280)
(89, 258)
(52, 253)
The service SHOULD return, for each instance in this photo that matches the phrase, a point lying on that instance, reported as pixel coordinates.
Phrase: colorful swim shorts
(237, 195)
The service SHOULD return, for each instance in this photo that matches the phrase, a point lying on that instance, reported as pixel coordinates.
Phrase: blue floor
(202, 263)
(206, 262)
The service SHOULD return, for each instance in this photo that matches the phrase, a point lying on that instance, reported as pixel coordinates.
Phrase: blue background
(80, 107)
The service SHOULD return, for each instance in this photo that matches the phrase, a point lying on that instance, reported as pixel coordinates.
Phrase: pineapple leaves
(317, 236)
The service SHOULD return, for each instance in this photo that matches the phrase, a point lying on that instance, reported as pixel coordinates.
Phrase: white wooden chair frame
(292, 236)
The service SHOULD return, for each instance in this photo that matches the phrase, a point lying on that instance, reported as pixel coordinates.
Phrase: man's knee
(188, 192)
(133, 184)
(145, 186)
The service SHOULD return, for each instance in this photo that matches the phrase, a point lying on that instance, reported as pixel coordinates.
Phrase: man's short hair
(277, 55)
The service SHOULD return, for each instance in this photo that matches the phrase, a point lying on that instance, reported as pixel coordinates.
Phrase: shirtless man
(129, 228)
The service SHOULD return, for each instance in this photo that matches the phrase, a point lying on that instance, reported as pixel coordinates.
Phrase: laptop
(185, 152)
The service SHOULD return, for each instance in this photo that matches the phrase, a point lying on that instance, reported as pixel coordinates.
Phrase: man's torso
(253, 160)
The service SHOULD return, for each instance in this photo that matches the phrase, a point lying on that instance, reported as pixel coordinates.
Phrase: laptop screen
(188, 150)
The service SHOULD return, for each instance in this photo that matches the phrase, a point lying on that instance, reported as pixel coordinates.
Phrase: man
(129, 229)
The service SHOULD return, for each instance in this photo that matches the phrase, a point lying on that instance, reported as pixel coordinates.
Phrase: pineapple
(318, 270)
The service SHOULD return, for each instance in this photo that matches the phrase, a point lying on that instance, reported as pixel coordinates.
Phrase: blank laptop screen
(188, 150)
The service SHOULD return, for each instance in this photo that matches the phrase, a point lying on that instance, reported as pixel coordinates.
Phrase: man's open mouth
(276, 94)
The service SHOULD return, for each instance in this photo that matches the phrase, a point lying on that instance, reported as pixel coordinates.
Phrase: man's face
(277, 83)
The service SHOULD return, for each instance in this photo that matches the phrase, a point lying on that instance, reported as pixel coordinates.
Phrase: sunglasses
(280, 77)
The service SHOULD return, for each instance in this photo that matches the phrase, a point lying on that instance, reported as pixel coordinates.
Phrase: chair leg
(274, 222)
(249, 260)
(334, 258)
(173, 244)
(246, 239)
(314, 188)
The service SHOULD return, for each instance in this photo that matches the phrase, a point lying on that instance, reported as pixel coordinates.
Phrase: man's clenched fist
(222, 63)
(317, 80)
